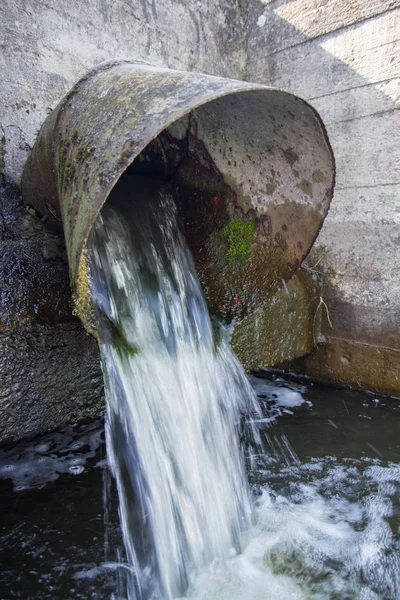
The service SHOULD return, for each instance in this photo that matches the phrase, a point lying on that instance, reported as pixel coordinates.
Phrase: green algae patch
(240, 235)
(120, 342)
(69, 172)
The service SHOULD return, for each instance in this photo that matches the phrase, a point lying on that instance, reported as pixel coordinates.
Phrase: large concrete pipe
(251, 166)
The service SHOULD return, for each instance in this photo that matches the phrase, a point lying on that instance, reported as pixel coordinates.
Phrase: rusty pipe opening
(251, 168)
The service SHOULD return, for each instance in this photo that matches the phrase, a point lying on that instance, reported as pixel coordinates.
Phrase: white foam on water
(316, 541)
(36, 464)
(281, 395)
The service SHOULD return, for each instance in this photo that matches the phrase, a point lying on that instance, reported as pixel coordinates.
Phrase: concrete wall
(48, 44)
(342, 56)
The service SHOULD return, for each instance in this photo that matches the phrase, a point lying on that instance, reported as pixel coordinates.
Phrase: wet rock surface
(49, 367)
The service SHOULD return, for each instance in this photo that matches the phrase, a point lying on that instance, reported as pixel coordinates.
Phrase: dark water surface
(327, 493)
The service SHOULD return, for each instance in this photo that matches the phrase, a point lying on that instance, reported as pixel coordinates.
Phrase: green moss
(123, 158)
(74, 136)
(240, 234)
(120, 343)
(82, 296)
(63, 145)
(218, 331)
(69, 172)
(67, 168)
(72, 92)
(83, 152)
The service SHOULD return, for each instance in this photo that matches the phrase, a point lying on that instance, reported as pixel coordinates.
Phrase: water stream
(310, 511)
(176, 394)
(326, 523)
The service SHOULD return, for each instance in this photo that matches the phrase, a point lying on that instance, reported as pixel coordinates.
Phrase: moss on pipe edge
(82, 296)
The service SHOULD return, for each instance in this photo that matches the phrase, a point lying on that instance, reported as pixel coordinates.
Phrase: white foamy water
(34, 465)
(175, 400)
(325, 531)
(279, 396)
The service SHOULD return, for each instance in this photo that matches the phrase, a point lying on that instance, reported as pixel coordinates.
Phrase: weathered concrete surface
(351, 363)
(49, 367)
(286, 327)
(344, 58)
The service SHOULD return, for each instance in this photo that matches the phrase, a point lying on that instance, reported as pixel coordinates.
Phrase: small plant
(322, 304)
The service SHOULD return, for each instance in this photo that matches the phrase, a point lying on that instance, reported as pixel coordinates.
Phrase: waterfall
(175, 392)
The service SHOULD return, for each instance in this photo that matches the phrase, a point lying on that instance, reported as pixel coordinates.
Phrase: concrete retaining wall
(344, 58)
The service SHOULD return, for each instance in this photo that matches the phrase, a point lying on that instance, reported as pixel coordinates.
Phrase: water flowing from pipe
(175, 397)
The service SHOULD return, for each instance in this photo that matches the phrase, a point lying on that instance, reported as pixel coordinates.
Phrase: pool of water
(326, 483)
